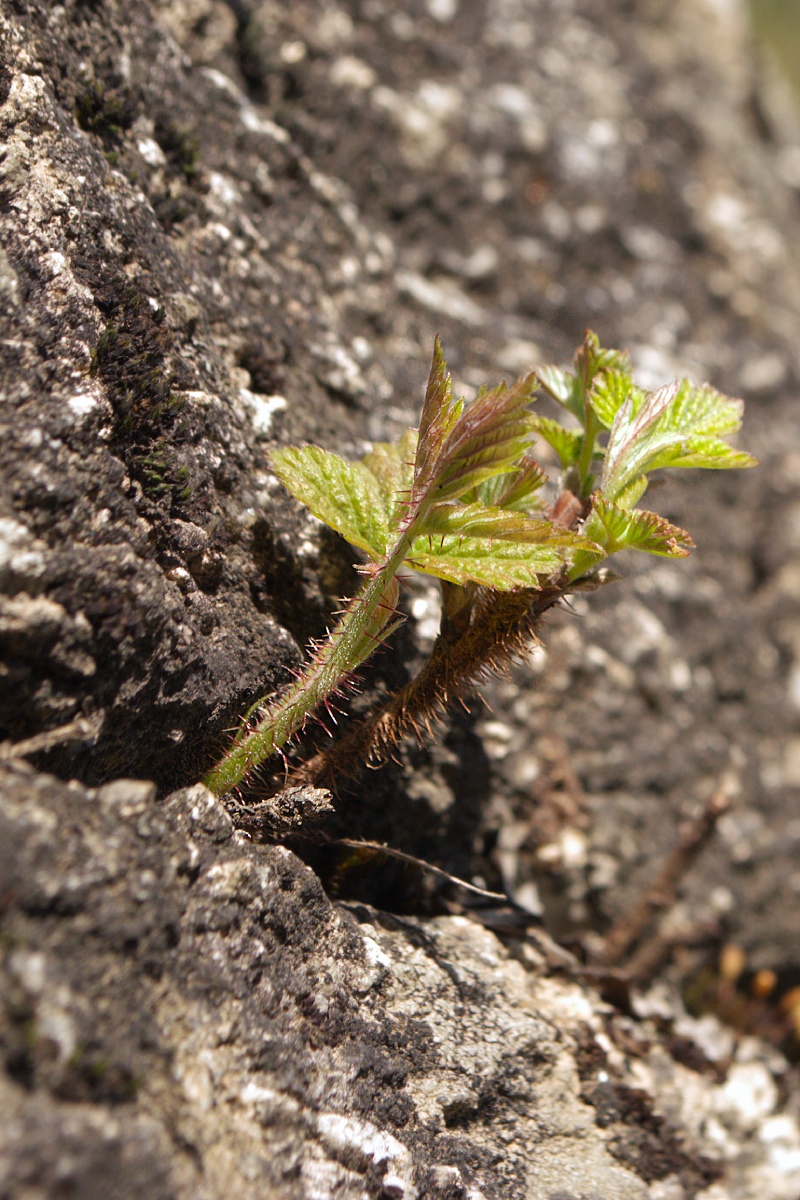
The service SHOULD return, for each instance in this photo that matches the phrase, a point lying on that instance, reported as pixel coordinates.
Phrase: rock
(186, 1013)
(229, 224)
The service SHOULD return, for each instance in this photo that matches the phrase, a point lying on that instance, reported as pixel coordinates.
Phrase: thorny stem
(458, 450)
(365, 621)
(500, 623)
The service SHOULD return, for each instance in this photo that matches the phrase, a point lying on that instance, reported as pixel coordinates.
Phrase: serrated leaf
(344, 495)
(701, 451)
(440, 412)
(517, 490)
(591, 358)
(491, 434)
(514, 490)
(681, 425)
(592, 363)
(392, 464)
(487, 521)
(630, 495)
(617, 528)
(634, 439)
(494, 564)
(702, 409)
(609, 392)
(565, 442)
(561, 386)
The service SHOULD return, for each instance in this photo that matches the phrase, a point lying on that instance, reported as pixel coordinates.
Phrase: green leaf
(702, 409)
(440, 412)
(705, 417)
(494, 564)
(630, 496)
(681, 425)
(392, 464)
(599, 376)
(490, 436)
(565, 442)
(517, 490)
(562, 387)
(634, 439)
(712, 453)
(344, 495)
(591, 359)
(616, 528)
(609, 392)
(487, 521)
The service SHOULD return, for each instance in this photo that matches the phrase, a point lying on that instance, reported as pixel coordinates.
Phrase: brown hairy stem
(477, 639)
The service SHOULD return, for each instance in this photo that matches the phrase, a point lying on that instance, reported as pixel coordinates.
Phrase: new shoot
(463, 499)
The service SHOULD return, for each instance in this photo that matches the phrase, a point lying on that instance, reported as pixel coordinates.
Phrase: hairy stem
(478, 642)
(365, 623)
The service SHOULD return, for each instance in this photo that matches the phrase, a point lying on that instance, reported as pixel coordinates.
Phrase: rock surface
(186, 1014)
(223, 224)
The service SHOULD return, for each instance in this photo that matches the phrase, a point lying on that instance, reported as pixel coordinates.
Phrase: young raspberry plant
(462, 499)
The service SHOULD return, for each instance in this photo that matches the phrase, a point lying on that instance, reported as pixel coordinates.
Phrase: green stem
(585, 560)
(361, 629)
(586, 456)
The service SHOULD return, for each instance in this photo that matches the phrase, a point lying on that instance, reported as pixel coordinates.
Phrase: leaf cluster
(468, 494)
(464, 499)
(463, 491)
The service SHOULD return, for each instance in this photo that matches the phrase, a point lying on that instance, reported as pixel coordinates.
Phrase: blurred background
(777, 23)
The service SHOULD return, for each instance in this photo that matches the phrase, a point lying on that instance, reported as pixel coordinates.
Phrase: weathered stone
(224, 224)
(187, 1014)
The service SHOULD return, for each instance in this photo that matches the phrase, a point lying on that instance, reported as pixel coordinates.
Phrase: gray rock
(224, 224)
(187, 1014)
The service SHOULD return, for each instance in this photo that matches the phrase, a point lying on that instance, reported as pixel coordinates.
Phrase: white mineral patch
(293, 52)
(253, 121)
(223, 188)
(21, 557)
(253, 1093)
(55, 262)
(375, 956)
(423, 117)
(151, 152)
(30, 968)
(262, 408)
(12, 535)
(726, 212)
(56, 1026)
(82, 403)
(782, 1138)
(363, 1142)
(511, 99)
(223, 82)
(230, 880)
(749, 1094)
